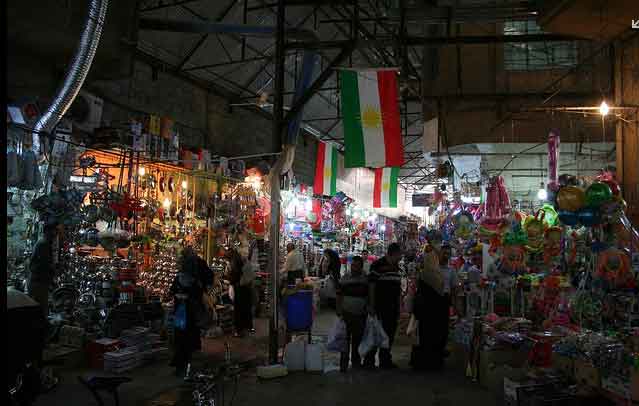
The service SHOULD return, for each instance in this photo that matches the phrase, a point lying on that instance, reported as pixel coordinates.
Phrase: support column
(278, 126)
(626, 55)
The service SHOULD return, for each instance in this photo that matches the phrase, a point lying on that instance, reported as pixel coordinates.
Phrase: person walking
(436, 284)
(187, 293)
(352, 300)
(42, 267)
(384, 302)
(242, 277)
(294, 267)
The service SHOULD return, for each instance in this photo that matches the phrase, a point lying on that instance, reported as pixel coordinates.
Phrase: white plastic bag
(368, 339)
(374, 336)
(337, 337)
(382, 340)
(413, 325)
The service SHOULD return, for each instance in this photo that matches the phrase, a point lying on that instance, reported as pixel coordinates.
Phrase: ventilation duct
(76, 74)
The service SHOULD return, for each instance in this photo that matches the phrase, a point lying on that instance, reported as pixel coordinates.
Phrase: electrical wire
(519, 153)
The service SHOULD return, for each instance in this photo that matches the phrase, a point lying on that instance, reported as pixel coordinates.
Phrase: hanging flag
(370, 113)
(326, 170)
(385, 189)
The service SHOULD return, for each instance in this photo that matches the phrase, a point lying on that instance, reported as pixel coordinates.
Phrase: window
(536, 55)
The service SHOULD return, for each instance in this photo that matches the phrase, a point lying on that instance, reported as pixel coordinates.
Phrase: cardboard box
(586, 374)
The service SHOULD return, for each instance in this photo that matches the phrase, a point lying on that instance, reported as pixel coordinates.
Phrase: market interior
(322, 201)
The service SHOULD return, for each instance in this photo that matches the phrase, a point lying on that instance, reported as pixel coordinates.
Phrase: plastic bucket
(299, 311)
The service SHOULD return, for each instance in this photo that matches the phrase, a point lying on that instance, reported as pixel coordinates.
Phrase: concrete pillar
(626, 93)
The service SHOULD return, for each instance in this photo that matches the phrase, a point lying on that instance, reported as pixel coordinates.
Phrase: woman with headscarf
(187, 290)
(241, 276)
(435, 284)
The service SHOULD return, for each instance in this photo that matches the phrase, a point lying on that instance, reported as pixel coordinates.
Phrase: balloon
(614, 186)
(567, 217)
(571, 198)
(567, 180)
(551, 215)
(589, 217)
(597, 194)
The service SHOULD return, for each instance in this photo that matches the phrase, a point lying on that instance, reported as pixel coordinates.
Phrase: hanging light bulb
(604, 109)
(541, 193)
(142, 171)
(166, 203)
(185, 184)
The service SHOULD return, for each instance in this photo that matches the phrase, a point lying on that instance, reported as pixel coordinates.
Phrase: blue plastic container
(299, 311)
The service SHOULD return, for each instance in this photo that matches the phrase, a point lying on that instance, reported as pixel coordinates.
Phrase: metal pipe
(77, 73)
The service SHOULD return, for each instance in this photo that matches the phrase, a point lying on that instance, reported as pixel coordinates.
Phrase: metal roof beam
(416, 41)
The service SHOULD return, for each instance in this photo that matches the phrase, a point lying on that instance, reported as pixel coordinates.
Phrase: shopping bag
(413, 324)
(179, 320)
(368, 338)
(381, 338)
(337, 341)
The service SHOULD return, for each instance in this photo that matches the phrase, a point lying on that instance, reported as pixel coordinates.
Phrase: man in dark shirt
(42, 267)
(385, 296)
(352, 300)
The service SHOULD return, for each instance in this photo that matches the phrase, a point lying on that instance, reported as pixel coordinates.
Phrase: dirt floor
(156, 385)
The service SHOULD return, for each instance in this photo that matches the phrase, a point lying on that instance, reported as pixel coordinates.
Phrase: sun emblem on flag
(327, 173)
(386, 187)
(371, 117)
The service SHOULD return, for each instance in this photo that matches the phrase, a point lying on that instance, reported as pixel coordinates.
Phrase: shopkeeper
(294, 267)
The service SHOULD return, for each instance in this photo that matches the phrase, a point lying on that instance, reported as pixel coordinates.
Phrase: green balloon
(597, 194)
(550, 214)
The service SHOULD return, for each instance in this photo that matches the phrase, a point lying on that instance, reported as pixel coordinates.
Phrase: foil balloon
(571, 198)
(614, 266)
(568, 218)
(550, 215)
(597, 194)
(567, 180)
(464, 225)
(552, 243)
(589, 217)
(534, 228)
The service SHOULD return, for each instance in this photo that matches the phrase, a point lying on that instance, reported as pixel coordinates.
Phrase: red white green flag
(326, 170)
(385, 189)
(370, 114)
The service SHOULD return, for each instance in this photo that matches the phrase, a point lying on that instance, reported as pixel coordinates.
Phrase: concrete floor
(155, 385)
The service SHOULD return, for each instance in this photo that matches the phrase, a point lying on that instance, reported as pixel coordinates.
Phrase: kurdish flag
(326, 170)
(370, 113)
(385, 189)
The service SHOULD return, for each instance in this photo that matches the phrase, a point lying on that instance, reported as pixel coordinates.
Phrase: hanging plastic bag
(413, 324)
(179, 320)
(368, 338)
(381, 338)
(337, 340)
(374, 336)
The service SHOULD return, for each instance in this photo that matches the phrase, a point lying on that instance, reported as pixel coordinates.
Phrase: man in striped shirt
(385, 296)
(352, 300)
